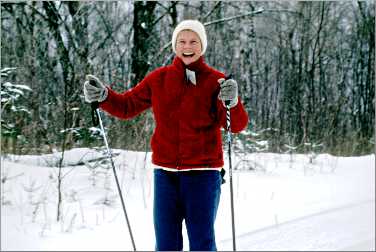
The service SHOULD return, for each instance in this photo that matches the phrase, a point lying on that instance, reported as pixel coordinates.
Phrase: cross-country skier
(187, 98)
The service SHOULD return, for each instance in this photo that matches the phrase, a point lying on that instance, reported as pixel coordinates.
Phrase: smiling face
(188, 46)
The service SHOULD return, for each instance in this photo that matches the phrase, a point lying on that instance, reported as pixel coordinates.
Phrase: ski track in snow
(315, 231)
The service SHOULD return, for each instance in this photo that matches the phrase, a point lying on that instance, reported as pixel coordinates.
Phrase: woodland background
(306, 70)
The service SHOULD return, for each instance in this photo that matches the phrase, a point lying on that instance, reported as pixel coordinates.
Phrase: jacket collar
(198, 66)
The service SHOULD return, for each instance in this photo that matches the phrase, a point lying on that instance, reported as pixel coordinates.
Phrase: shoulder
(214, 73)
(156, 75)
(217, 73)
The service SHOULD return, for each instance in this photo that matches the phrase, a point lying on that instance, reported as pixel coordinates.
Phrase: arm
(129, 103)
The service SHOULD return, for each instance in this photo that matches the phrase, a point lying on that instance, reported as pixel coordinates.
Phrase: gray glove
(229, 91)
(94, 89)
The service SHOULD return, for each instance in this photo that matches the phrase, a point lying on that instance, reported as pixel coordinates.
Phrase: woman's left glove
(94, 89)
(228, 92)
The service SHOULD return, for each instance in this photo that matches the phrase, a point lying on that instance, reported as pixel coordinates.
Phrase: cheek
(179, 53)
(198, 49)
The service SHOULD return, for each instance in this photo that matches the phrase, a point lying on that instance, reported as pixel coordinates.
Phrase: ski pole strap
(94, 115)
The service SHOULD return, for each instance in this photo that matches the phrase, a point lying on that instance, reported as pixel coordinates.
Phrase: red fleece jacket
(188, 117)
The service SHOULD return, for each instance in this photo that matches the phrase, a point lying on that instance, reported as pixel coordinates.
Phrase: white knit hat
(193, 25)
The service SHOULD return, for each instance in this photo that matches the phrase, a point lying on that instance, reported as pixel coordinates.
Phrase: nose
(187, 46)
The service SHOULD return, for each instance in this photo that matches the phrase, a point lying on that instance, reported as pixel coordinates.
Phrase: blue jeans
(192, 196)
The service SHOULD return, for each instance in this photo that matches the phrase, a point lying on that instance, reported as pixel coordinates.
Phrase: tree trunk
(143, 30)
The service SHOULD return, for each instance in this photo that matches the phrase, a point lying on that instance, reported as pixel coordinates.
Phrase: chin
(189, 61)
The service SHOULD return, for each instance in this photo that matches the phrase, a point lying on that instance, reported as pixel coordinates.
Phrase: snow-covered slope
(285, 203)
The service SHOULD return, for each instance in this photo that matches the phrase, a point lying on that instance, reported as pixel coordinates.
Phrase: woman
(187, 99)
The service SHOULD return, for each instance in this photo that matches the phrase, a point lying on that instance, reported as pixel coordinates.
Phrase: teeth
(188, 54)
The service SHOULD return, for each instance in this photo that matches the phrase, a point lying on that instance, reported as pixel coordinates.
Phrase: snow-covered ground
(285, 203)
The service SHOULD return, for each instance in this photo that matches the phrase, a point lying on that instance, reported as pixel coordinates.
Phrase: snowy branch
(234, 17)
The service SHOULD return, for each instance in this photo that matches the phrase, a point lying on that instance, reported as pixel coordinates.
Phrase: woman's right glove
(94, 89)
(228, 92)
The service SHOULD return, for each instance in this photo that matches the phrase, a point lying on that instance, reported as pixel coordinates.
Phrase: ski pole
(228, 120)
(96, 117)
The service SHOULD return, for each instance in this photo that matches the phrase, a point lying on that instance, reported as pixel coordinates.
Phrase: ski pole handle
(94, 106)
(228, 116)
(228, 76)
(94, 115)
(227, 103)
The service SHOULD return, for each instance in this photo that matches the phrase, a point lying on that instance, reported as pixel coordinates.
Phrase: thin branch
(234, 17)
(167, 12)
(212, 10)
(38, 12)
(164, 7)
(78, 12)
(286, 10)
(110, 31)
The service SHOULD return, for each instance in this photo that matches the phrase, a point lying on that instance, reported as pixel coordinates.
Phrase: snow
(285, 203)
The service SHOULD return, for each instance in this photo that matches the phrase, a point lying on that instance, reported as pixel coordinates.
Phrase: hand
(94, 89)
(229, 91)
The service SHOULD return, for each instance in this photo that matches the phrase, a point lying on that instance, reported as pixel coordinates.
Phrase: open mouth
(188, 54)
